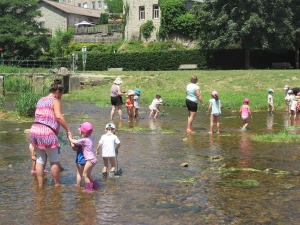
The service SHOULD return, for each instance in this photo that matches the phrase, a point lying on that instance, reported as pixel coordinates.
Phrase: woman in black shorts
(116, 98)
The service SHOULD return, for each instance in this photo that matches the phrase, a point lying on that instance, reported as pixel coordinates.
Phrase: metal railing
(13, 66)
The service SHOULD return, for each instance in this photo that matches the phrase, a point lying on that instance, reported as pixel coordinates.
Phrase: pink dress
(44, 130)
(245, 112)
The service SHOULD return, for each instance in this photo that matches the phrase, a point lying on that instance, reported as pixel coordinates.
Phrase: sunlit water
(154, 188)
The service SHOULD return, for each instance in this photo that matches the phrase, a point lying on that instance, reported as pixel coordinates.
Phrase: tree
(114, 6)
(20, 34)
(256, 24)
(60, 41)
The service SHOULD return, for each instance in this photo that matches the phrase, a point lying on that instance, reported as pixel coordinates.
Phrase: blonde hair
(194, 79)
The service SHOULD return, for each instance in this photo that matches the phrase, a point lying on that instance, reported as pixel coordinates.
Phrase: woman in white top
(193, 97)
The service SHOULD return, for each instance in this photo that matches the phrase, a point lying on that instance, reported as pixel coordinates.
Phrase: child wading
(154, 107)
(214, 109)
(245, 112)
(130, 105)
(86, 142)
(270, 101)
(80, 162)
(110, 145)
(136, 99)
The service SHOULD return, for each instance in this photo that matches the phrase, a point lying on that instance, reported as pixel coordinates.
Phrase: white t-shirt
(270, 98)
(191, 92)
(109, 143)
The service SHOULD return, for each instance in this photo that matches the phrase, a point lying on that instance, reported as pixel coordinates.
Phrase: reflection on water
(154, 188)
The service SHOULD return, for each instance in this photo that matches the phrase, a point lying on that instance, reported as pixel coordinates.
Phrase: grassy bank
(232, 85)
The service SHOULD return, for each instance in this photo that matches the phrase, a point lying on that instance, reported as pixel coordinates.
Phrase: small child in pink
(87, 144)
(245, 112)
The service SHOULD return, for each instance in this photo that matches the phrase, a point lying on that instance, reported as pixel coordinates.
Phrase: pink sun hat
(246, 100)
(214, 93)
(286, 87)
(86, 127)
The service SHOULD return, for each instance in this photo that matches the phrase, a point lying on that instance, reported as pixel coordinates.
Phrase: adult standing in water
(43, 133)
(193, 97)
(116, 98)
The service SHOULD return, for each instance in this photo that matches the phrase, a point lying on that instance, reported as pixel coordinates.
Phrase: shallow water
(153, 188)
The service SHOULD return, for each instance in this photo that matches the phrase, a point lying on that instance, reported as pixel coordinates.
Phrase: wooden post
(1, 85)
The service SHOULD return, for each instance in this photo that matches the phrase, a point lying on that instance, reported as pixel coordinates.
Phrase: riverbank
(233, 86)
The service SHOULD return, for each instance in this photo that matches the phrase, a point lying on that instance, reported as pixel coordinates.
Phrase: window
(142, 12)
(79, 4)
(93, 5)
(42, 24)
(99, 4)
(85, 5)
(155, 12)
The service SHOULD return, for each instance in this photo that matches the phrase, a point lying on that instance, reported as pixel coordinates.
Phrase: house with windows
(87, 4)
(140, 11)
(58, 15)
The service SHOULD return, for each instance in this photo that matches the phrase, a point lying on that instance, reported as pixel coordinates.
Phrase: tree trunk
(297, 59)
(247, 59)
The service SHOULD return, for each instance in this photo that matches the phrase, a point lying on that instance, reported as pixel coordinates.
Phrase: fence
(13, 66)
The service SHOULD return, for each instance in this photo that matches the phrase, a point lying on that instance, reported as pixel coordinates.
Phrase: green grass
(283, 136)
(233, 86)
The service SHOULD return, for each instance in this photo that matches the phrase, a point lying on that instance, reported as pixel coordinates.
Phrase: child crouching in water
(154, 107)
(214, 109)
(245, 112)
(86, 142)
(110, 145)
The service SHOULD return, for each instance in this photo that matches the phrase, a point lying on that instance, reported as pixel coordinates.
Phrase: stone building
(140, 11)
(57, 15)
(88, 4)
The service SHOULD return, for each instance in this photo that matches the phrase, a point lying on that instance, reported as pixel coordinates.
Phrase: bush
(26, 102)
(2, 99)
(149, 61)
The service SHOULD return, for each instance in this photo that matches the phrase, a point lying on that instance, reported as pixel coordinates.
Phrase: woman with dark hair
(193, 97)
(44, 131)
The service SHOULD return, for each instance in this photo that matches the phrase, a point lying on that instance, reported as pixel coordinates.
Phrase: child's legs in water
(218, 123)
(80, 168)
(136, 113)
(87, 172)
(245, 121)
(112, 163)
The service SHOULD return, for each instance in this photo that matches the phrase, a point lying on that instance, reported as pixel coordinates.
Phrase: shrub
(2, 99)
(25, 103)
(147, 28)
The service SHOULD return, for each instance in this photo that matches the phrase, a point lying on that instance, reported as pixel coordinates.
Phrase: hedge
(143, 61)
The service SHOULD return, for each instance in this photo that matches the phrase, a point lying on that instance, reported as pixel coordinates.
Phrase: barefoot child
(86, 142)
(270, 101)
(130, 105)
(110, 145)
(80, 162)
(136, 99)
(245, 112)
(154, 107)
(214, 109)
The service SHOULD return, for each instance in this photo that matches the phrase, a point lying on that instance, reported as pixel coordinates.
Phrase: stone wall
(132, 29)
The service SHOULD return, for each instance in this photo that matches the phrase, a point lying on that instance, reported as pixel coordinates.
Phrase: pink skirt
(43, 137)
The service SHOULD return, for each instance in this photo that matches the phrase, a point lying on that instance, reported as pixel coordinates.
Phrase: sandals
(104, 171)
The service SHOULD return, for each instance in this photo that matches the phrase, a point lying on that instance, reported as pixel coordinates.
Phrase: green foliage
(124, 18)
(17, 84)
(170, 11)
(103, 19)
(147, 28)
(282, 136)
(99, 47)
(251, 24)
(114, 6)
(60, 41)
(20, 34)
(2, 100)
(160, 60)
(25, 103)
(188, 25)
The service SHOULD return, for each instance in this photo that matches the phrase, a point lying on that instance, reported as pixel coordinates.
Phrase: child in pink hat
(214, 109)
(245, 112)
(87, 144)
